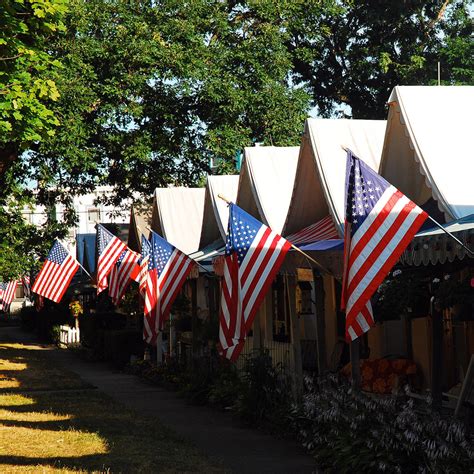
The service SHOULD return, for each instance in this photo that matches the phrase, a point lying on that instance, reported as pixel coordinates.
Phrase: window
(304, 291)
(20, 291)
(280, 313)
(93, 215)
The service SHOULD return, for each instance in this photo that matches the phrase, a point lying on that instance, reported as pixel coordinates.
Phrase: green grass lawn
(46, 429)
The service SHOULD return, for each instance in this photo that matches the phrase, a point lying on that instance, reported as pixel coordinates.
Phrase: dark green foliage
(352, 54)
(265, 395)
(351, 432)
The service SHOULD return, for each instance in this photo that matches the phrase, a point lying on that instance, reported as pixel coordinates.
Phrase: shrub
(265, 394)
(55, 334)
(352, 432)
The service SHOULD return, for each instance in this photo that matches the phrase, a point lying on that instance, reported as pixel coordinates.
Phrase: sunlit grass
(78, 431)
(30, 364)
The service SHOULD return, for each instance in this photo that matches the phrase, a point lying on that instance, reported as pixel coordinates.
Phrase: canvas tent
(177, 216)
(320, 176)
(216, 213)
(266, 183)
(140, 221)
(427, 151)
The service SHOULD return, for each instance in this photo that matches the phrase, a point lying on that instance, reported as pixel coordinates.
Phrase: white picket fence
(68, 335)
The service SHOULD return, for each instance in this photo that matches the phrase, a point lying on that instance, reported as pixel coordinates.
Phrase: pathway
(215, 433)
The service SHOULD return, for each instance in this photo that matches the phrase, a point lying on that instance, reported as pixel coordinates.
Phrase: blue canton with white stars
(57, 254)
(103, 238)
(161, 251)
(364, 189)
(241, 232)
(146, 249)
(120, 259)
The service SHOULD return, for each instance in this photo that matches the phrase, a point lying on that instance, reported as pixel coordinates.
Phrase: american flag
(145, 256)
(147, 289)
(7, 294)
(253, 255)
(26, 281)
(380, 223)
(168, 269)
(123, 272)
(56, 274)
(109, 249)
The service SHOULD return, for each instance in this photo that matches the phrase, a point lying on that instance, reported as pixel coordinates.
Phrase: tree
(26, 66)
(355, 54)
(27, 89)
(151, 92)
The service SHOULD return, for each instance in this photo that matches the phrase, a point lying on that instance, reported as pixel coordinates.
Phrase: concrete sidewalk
(215, 433)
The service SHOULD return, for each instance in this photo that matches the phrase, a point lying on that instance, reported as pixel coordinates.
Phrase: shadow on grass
(78, 429)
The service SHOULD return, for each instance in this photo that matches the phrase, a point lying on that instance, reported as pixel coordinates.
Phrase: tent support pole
(451, 235)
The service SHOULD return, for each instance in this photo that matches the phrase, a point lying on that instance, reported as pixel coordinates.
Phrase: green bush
(28, 316)
(265, 395)
(55, 334)
(352, 432)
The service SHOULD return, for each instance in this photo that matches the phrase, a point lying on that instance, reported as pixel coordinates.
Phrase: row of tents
(423, 148)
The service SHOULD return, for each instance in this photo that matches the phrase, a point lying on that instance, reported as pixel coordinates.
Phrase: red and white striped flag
(109, 249)
(168, 269)
(147, 290)
(380, 223)
(321, 230)
(123, 272)
(56, 274)
(253, 256)
(7, 294)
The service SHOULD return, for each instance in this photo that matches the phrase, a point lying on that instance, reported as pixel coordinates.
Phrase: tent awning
(216, 211)
(177, 216)
(433, 246)
(266, 183)
(321, 172)
(427, 150)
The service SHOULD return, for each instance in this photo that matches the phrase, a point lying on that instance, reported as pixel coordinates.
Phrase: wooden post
(290, 284)
(355, 363)
(436, 354)
(159, 348)
(320, 297)
(194, 342)
(257, 333)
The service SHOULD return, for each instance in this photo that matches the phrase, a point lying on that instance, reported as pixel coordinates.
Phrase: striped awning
(321, 230)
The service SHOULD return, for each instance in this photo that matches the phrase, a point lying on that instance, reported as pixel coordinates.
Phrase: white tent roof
(177, 216)
(266, 183)
(321, 172)
(216, 211)
(428, 150)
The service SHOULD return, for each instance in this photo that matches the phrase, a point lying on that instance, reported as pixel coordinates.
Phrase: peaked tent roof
(321, 173)
(140, 220)
(216, 212)
(177, 216)
(428, 150)
(266, 183)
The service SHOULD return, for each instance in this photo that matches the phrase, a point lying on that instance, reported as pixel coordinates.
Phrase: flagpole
(321, 267)
(196, 262)
(451, 235)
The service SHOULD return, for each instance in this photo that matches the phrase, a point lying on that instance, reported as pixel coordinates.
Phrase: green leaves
(26, 69)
